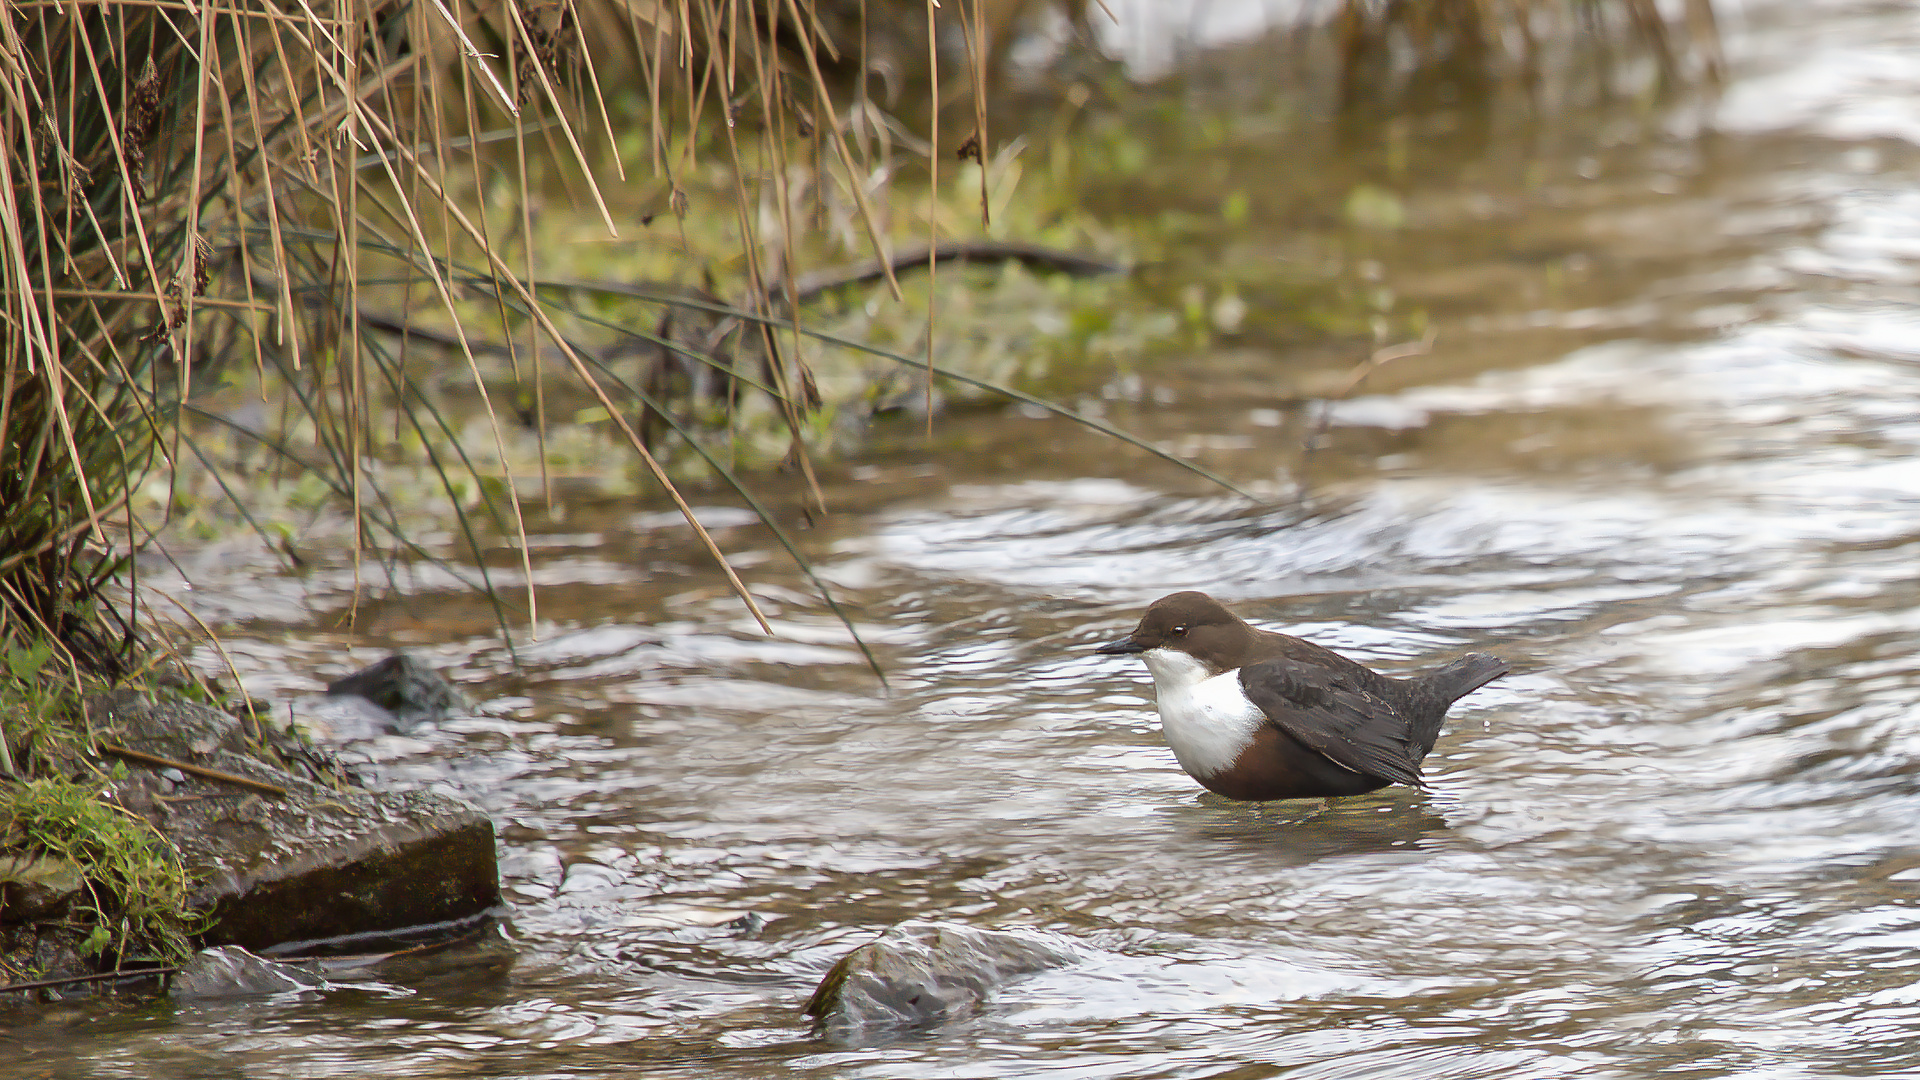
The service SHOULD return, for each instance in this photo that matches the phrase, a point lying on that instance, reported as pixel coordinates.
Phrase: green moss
(54, 808)
(136, 891)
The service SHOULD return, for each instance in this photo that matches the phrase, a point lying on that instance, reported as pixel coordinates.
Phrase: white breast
(1207, 719)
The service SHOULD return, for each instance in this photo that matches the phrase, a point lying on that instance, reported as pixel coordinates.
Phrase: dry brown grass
(199, 190)
(263, 192)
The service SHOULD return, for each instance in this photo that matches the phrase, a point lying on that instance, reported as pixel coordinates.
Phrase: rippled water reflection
(1681, 493)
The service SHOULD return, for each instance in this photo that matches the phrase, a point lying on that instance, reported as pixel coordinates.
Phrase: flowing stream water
(1664, 457)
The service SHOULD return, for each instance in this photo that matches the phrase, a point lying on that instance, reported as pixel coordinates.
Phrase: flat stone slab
(326, 860)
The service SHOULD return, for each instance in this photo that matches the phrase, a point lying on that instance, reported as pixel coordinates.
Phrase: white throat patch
(1206, 718)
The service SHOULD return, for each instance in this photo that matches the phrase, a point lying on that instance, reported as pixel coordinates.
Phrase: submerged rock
(405, 687)
(338, 719)
(231, 971)
(921, 973)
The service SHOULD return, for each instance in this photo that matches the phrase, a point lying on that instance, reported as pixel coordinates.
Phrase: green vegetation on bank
(61, 833)
(135, 907)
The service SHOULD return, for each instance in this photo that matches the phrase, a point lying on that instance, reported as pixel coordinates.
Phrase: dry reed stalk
(186, 184)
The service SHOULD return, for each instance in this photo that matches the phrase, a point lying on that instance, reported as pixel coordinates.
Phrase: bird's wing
(1329, 714)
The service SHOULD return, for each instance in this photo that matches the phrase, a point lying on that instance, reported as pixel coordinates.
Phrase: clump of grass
(39, 729)
(136, 890)
(52, 807)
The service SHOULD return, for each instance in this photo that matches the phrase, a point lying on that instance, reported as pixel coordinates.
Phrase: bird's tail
(1464, 676)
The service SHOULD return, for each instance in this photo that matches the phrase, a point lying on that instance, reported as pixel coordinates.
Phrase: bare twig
(197, 770)
(1383, 356)
(1361, 371)
(73, 980)
(809, 286)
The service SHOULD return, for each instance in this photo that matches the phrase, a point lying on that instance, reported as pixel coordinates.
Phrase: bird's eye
(1178, 631)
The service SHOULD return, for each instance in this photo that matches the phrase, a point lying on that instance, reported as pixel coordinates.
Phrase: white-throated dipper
(1256, 715)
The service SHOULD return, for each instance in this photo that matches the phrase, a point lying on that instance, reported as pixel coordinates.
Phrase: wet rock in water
(406, 688)
(323, 860)
(335, 719)
(922, 973)
(231, 971)
(332, 864)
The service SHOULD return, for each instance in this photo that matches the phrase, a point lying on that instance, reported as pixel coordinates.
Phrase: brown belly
(1275, 766)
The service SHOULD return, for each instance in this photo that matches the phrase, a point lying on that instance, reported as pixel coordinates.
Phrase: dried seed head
(52, 153)
(541, 42)
(202, 265)
(136, 165)
(142, 106)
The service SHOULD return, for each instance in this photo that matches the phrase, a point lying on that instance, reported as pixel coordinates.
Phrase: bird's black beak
(1122, 647)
